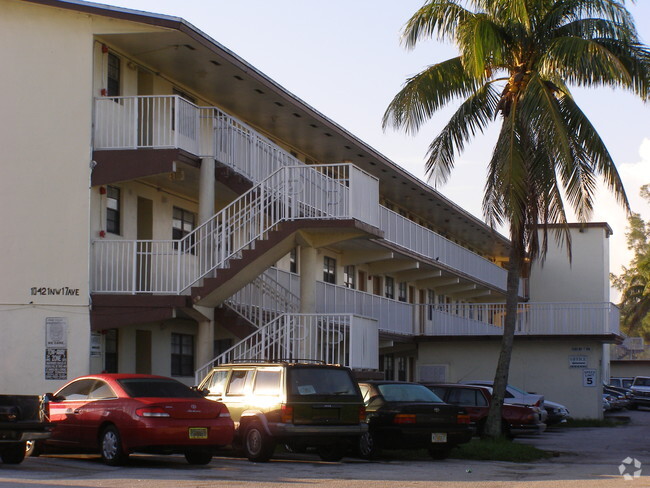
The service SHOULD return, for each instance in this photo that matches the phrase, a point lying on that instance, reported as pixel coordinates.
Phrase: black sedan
(403, 415)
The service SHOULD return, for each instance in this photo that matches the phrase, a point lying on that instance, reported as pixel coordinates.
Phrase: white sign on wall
(578, 361)
(56, 348)
(589, 377)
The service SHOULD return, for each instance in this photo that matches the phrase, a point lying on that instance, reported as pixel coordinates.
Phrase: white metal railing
(406, 233)
(532, 319)
(263, 299)
(172, 266)
(336, 339)
(391, 315)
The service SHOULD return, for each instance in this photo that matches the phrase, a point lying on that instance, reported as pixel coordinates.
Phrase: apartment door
(376, 285)
(144, 235)
(362, 281)
(422, 310)
(143, 352)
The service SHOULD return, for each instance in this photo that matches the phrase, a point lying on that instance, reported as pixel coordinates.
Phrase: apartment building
(168, 206)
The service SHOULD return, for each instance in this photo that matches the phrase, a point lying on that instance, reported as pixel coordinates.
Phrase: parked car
(624, 391)
(621, 382)
(620, 400)
(403, 415)
(475, 400)
(117, 414)
(21, 422)
(640, 389)
(516, 396)
(299, 404)
(555, 413)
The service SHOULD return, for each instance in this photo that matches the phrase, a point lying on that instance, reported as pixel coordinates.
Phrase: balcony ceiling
(200, 65)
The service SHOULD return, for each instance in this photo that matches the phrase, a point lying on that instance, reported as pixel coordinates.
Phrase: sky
(344, 58)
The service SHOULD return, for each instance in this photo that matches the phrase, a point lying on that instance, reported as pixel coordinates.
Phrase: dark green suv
(298, 404)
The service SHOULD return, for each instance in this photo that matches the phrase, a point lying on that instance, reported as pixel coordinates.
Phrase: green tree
(516, 61)
(634, 282)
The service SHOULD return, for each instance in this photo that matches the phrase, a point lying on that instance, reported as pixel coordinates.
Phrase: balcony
(163, 122)
(469, 319)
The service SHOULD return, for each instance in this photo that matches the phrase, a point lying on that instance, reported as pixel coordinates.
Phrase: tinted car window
(641, 382)
(238, 381)
(321, 381)
(407, 393)
(78, 390)
(267, 383)
(152, 388)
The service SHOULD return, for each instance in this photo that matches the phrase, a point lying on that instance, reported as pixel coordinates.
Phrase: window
(182, 224)
(182, 355)
(110, 351)
(293, 260)
(239, 380)
(402, 291)
(431, 299)
(329, 270)
(267, 382)
(114, 76)
(389, 287)
(349, 276)
(217, 383)
(113, 210)
(78, 390)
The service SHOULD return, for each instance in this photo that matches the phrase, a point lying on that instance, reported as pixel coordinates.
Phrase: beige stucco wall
(537, 366)
(629, 369)
(584, 279)
(47, 55)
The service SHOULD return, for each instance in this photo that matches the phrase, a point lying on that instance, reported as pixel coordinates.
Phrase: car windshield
(641, 382)
(396, 392)
(156, 388)
(321, 381)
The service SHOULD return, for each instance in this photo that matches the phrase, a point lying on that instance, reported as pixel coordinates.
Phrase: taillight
(286, 414)
(224, 413)
(362, 413)
(462, 419)
(404, 418)
(151, 412)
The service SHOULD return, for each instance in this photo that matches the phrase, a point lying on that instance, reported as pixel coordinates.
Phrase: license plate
(198, 433)
(436, 438)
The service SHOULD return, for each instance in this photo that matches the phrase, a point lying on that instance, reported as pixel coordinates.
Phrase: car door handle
(77, 411)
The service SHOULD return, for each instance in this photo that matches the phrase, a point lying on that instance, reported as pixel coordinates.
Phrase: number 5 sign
(589, 377)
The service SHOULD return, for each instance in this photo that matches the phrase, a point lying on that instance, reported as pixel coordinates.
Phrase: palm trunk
(493, 428)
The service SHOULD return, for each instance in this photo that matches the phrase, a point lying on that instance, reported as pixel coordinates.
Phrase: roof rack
(280, 360)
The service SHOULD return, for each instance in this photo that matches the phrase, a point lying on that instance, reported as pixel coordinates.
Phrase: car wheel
(111, 447)
(32, 449)
(13, 454)
(440, 452)
(331, 453)
(368, 447)
(198, 458)
(258, 446)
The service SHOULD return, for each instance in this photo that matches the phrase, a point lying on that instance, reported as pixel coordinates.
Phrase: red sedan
(117, 414)
(516, 419)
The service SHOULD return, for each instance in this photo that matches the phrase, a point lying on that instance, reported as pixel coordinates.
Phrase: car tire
(368, 446)
(33, 449)
(14, 454)
(110, 444)
(258, 446)
(198, 458)
(332, 453)
(439, 452)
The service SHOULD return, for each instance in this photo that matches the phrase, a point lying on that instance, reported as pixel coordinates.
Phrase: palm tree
(517, 59)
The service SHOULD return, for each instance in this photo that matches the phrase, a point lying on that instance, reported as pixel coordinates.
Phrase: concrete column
(309, 268)
(205, 336)
(206, 189)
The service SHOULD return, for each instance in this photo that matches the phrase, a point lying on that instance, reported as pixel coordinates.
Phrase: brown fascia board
(205, 40)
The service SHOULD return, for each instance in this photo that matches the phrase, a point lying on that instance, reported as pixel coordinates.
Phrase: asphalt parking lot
(587, 457)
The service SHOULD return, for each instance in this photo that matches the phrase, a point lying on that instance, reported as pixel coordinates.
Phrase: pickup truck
(22, 419)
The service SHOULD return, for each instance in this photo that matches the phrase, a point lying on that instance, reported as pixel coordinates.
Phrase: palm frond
(428, 91)
(436, 17)
(472, 117)
(483, 44)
